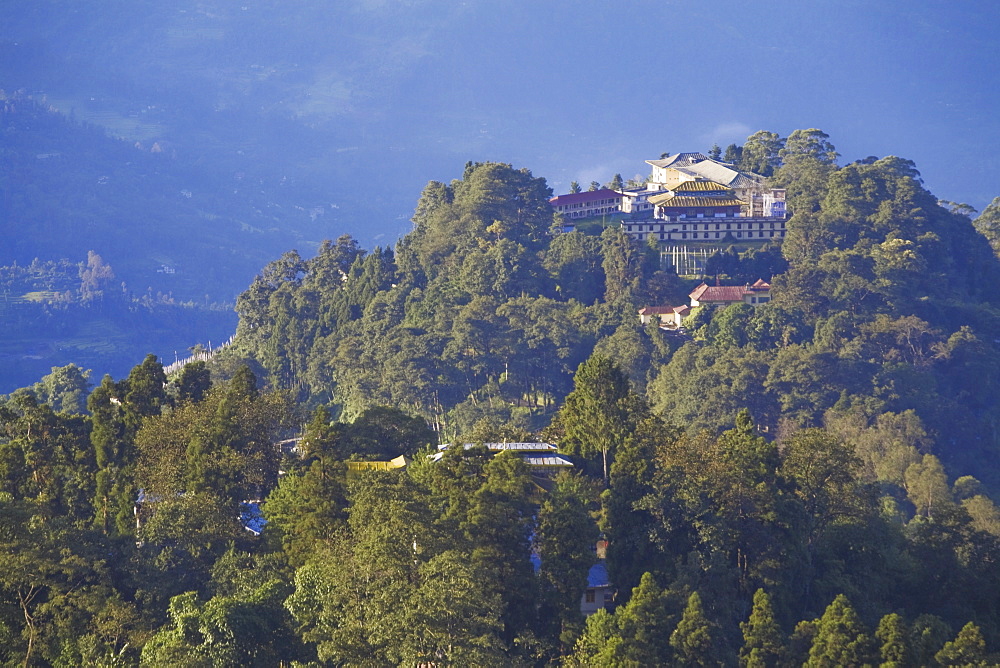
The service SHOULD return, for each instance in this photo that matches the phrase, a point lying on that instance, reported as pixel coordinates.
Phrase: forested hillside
(804, 482)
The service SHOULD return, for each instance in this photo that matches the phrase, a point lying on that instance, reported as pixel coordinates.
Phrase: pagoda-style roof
(684, 201)
(699, 185)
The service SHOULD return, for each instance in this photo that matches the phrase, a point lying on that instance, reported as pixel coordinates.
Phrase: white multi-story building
(635, 201)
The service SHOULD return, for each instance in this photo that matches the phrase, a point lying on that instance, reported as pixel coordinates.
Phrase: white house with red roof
(588, 204)
(669, 316)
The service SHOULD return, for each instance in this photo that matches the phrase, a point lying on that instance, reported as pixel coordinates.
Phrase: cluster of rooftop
(687, 197)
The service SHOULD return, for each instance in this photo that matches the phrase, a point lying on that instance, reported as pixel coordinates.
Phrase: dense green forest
(804, 482)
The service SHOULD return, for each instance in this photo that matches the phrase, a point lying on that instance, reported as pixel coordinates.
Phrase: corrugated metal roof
(703, 185)
(251, 518)
(597, 576)
(682, 201)
(522, 447)
(678, 159)
(547, 460)
(497, 447)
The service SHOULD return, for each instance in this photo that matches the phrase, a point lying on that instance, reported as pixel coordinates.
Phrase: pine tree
(693, 640)
(967, 649)
(840, 639)
(896, 650)
(762, 641)
(643, 625)
(732, 154)
(596, 413)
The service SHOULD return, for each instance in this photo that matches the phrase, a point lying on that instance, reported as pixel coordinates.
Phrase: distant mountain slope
(164, 224)
(316, 105)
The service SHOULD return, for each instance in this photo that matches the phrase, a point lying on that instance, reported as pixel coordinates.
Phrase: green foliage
(306, 510)
(45, 458)
(248, 629)
(117, 413)
(762, 638)
(565, 540)
(397, 591)
(597, 412)
(988, 223)
(57, 591)
(65, 389)
(967, 649)
(693, 640)
(760, 153)
(194, 382)
(840, 639)
(805, 447)
(637, 634)
(894, 635)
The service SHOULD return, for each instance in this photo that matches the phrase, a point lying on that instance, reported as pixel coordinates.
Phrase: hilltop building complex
(688, 197)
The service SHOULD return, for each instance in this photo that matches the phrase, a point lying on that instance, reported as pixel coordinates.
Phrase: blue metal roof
(251, 518)
(598, 576)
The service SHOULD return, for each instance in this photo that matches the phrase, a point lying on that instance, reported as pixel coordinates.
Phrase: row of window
(661, 227)
(593, 212)
(667, 236)
(701, 213)
(580, 205)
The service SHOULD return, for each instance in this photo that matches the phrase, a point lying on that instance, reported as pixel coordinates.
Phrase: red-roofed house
(723, 295)
(588, 204)
(669, 316)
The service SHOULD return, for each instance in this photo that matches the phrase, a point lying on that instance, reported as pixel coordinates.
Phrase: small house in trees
(588, 204)
(724, 295)
(668, 316)
(598, 594)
